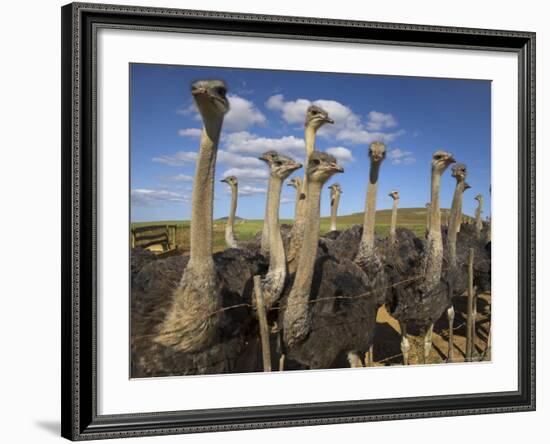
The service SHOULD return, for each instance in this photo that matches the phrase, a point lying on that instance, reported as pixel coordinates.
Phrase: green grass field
(411, 218)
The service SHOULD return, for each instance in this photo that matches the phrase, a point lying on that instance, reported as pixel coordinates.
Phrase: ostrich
(296, 322)
(188, 325)
(335, 192)
(272, 284)
(459, 172)
(479, 210)
(369, 259)
(422, 301)
(329, 315)
(296, 182)
(395, 196)
(316, 117)
(377, 153)
(229, 228)
(456, 274)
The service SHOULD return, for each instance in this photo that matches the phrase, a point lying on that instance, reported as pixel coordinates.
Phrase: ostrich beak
(262, 158)
(223, 180)
(451, 159)
(336, 168)
(294, 166)
(198, 91)
(328, 120)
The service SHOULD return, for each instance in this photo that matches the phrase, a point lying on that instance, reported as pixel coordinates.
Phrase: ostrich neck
(277, 258)
(334, 202)
(310, 134)
(233, 210)
(297, 201)
(435, 211)
(306, 262)
(456, 216)
(478, 211)
(203, 194)
(367, 241)
(434, 258)
(394, 218)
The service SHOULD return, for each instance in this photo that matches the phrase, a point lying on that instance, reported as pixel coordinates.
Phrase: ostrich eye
(314, 113)
(221, 91)
(315, 161)
(278, 163)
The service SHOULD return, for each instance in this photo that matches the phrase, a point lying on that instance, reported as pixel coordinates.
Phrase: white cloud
(292, 111)
(190, 132)
(401, 157)
(245, 142)
(242, 114)
(347, 126)
(248, 190)
(146, 197)
(180, 178)
(187, 110)
(342, 154)
(178, 159)
(243, 174)
(378, 121)
(236, 160)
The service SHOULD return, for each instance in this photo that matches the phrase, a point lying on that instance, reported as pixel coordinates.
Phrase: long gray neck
(393, 220)
(456, 218)
(479, 223)
(277, 259)
(297, 315)
(334, 202)
(297, 202)
(434, 254)
(310, 134)
(366, 248)
(304, 272)
(203, 195)
(297, 233)
(264, 245)
(230, 229)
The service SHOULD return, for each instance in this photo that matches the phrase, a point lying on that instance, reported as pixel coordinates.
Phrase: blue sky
(413, 116)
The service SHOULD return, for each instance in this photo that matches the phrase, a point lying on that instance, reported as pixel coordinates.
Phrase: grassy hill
(412, 218)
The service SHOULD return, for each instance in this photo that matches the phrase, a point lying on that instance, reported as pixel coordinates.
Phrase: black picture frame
(79, 396)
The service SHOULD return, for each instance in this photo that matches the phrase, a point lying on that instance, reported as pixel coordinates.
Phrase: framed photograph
(279, 221)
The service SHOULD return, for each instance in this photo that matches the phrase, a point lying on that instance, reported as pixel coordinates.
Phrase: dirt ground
(387, 338)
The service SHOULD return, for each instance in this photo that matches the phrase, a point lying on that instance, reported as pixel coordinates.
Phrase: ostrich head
(441, 160)
(394, 195)
(316, 117)
(428, 205)
(295, 182)
(231, 181)
(467, 186)
(459, 171)
(281, 166)
(210, 97)
(479, 198)
(335, 189)
(377, 152)
(322, 166)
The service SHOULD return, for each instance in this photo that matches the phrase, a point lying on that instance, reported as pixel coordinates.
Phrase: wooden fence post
(262, 317)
